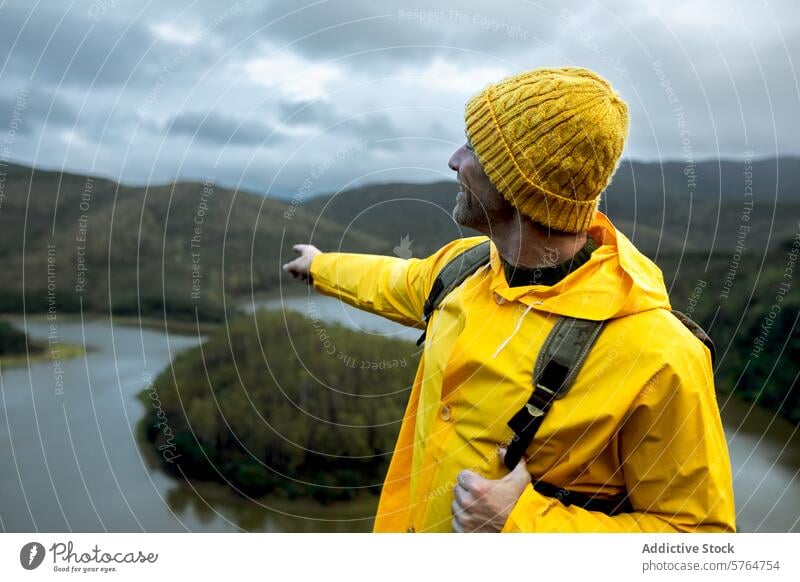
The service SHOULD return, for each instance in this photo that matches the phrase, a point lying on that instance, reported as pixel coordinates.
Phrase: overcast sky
(302, 97)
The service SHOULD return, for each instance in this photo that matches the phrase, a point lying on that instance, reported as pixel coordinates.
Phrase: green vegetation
(770, 377)
(763, 365)
(284, 404)
(752, 316)
(14, 341)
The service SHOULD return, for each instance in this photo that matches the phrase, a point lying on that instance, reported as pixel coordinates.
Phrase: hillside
(753, 319)
(173, 248)
(277, 413)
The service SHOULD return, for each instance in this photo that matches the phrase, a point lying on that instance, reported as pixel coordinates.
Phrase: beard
(469, 212)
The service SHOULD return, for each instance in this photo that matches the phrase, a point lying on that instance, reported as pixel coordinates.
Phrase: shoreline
(66, 351)
(238, 306)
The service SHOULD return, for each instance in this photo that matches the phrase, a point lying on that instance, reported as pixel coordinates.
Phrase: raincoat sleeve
(674, 459)
(389, 286)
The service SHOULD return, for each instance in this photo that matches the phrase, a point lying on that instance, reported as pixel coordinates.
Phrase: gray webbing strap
(560, 359)
(452, 275)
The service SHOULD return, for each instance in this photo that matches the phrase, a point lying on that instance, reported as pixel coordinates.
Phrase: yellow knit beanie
(550, 140)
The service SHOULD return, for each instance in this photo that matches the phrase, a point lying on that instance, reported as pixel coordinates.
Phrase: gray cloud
(39, 108)
(60, 46)
(312, 113)
(384, 33)
(322, 116)
(220, 129)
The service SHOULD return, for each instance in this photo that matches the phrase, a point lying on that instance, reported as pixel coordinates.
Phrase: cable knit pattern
(550, 140)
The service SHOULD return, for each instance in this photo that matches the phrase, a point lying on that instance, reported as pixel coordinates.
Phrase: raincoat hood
(616, 281)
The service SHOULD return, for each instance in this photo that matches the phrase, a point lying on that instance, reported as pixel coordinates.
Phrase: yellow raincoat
(640, 417)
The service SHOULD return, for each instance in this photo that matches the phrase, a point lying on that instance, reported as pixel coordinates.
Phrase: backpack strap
(610, 506)
(560, 359)
(451, 276)
(698, 332)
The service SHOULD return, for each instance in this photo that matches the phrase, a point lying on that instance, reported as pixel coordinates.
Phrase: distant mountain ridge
(669, 208)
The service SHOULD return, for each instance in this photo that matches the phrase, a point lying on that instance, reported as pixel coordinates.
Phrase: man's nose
(455, 160)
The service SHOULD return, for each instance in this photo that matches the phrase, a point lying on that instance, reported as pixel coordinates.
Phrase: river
(71, 462)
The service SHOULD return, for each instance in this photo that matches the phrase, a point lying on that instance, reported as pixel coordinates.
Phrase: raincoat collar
(617, 280)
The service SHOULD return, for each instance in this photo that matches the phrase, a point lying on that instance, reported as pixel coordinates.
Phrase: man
(640, 419)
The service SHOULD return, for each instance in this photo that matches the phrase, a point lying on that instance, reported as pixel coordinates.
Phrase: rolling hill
(71, 240)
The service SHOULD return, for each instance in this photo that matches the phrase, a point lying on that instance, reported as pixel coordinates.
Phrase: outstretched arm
(389, 286)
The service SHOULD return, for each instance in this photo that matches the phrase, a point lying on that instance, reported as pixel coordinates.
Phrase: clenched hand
(483, 505)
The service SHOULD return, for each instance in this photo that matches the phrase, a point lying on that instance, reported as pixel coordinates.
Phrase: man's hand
(300, 268)
(483, 505)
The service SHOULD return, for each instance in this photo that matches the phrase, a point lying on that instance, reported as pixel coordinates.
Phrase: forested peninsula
(284, 404)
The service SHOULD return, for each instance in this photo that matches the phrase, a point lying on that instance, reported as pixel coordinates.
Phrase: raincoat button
(445, 413)
(410, 529)
(499, 299)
